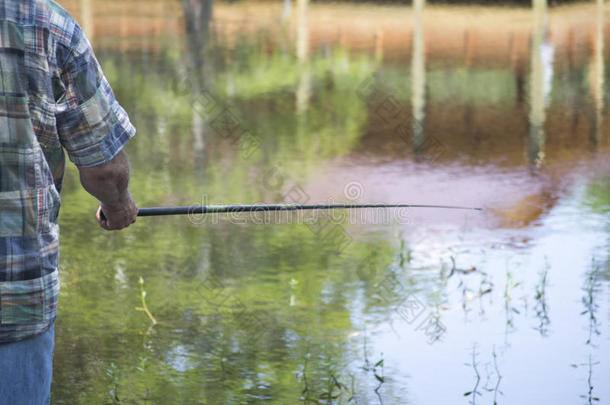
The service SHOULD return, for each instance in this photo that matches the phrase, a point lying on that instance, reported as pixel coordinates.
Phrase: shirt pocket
(22, 212)
(28, 198)
(29, 301)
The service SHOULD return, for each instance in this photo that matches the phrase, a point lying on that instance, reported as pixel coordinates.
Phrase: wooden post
(87, 18)
(537, 91)
(418, 77)
(379, 44)
(304, 88)
(596, 75)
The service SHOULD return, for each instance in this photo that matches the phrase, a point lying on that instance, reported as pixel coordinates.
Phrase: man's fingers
(99, 217)
(102, 220)
(115, 218)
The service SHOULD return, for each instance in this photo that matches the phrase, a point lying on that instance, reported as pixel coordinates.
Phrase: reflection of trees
(197, 351)
(262, 103)
(598, 200)
(201, 352)
(598, 195)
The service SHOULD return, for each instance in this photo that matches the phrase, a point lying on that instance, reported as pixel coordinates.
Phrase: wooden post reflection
(537, 90)
(418, 77)
(304, 87)
(86, 9)
(379, 44)
(286, 10)
(197, 18)
(596, 75)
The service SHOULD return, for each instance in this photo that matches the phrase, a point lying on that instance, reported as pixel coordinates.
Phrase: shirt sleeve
(91, 124)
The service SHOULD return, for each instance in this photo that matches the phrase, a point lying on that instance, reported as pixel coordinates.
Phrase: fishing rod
(219, 209)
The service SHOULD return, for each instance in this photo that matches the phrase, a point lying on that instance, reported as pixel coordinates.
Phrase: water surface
(246, 102)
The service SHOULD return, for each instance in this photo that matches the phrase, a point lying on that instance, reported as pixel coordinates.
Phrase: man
(53, 96)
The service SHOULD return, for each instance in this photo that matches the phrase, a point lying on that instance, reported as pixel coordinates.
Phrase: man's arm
(108, 183)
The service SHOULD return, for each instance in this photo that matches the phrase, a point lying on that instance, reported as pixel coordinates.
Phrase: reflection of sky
(563, 235)
(179, 358)
(567, 241)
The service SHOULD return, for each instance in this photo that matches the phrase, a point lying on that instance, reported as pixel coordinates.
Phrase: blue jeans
(26, 370)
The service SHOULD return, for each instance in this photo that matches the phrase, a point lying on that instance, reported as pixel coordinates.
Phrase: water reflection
(541, 308)
(86, 19)
(288, 318)
(287, 10)
(198, 75)
(418, 77)
(540, 82)
(597, 75)
(592, 289)
(302, 46)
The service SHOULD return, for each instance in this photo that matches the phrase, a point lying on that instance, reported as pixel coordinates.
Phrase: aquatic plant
(541, 305)
(474, 364)
(592, 287)
(113, 372)
(144, 307)
(509, 307)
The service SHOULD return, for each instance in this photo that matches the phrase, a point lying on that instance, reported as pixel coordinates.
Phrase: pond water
(502, 108)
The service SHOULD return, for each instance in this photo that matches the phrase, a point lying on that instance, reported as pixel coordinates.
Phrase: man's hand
(117, 216)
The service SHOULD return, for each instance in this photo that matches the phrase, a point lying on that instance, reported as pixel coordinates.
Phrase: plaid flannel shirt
(53, 96)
